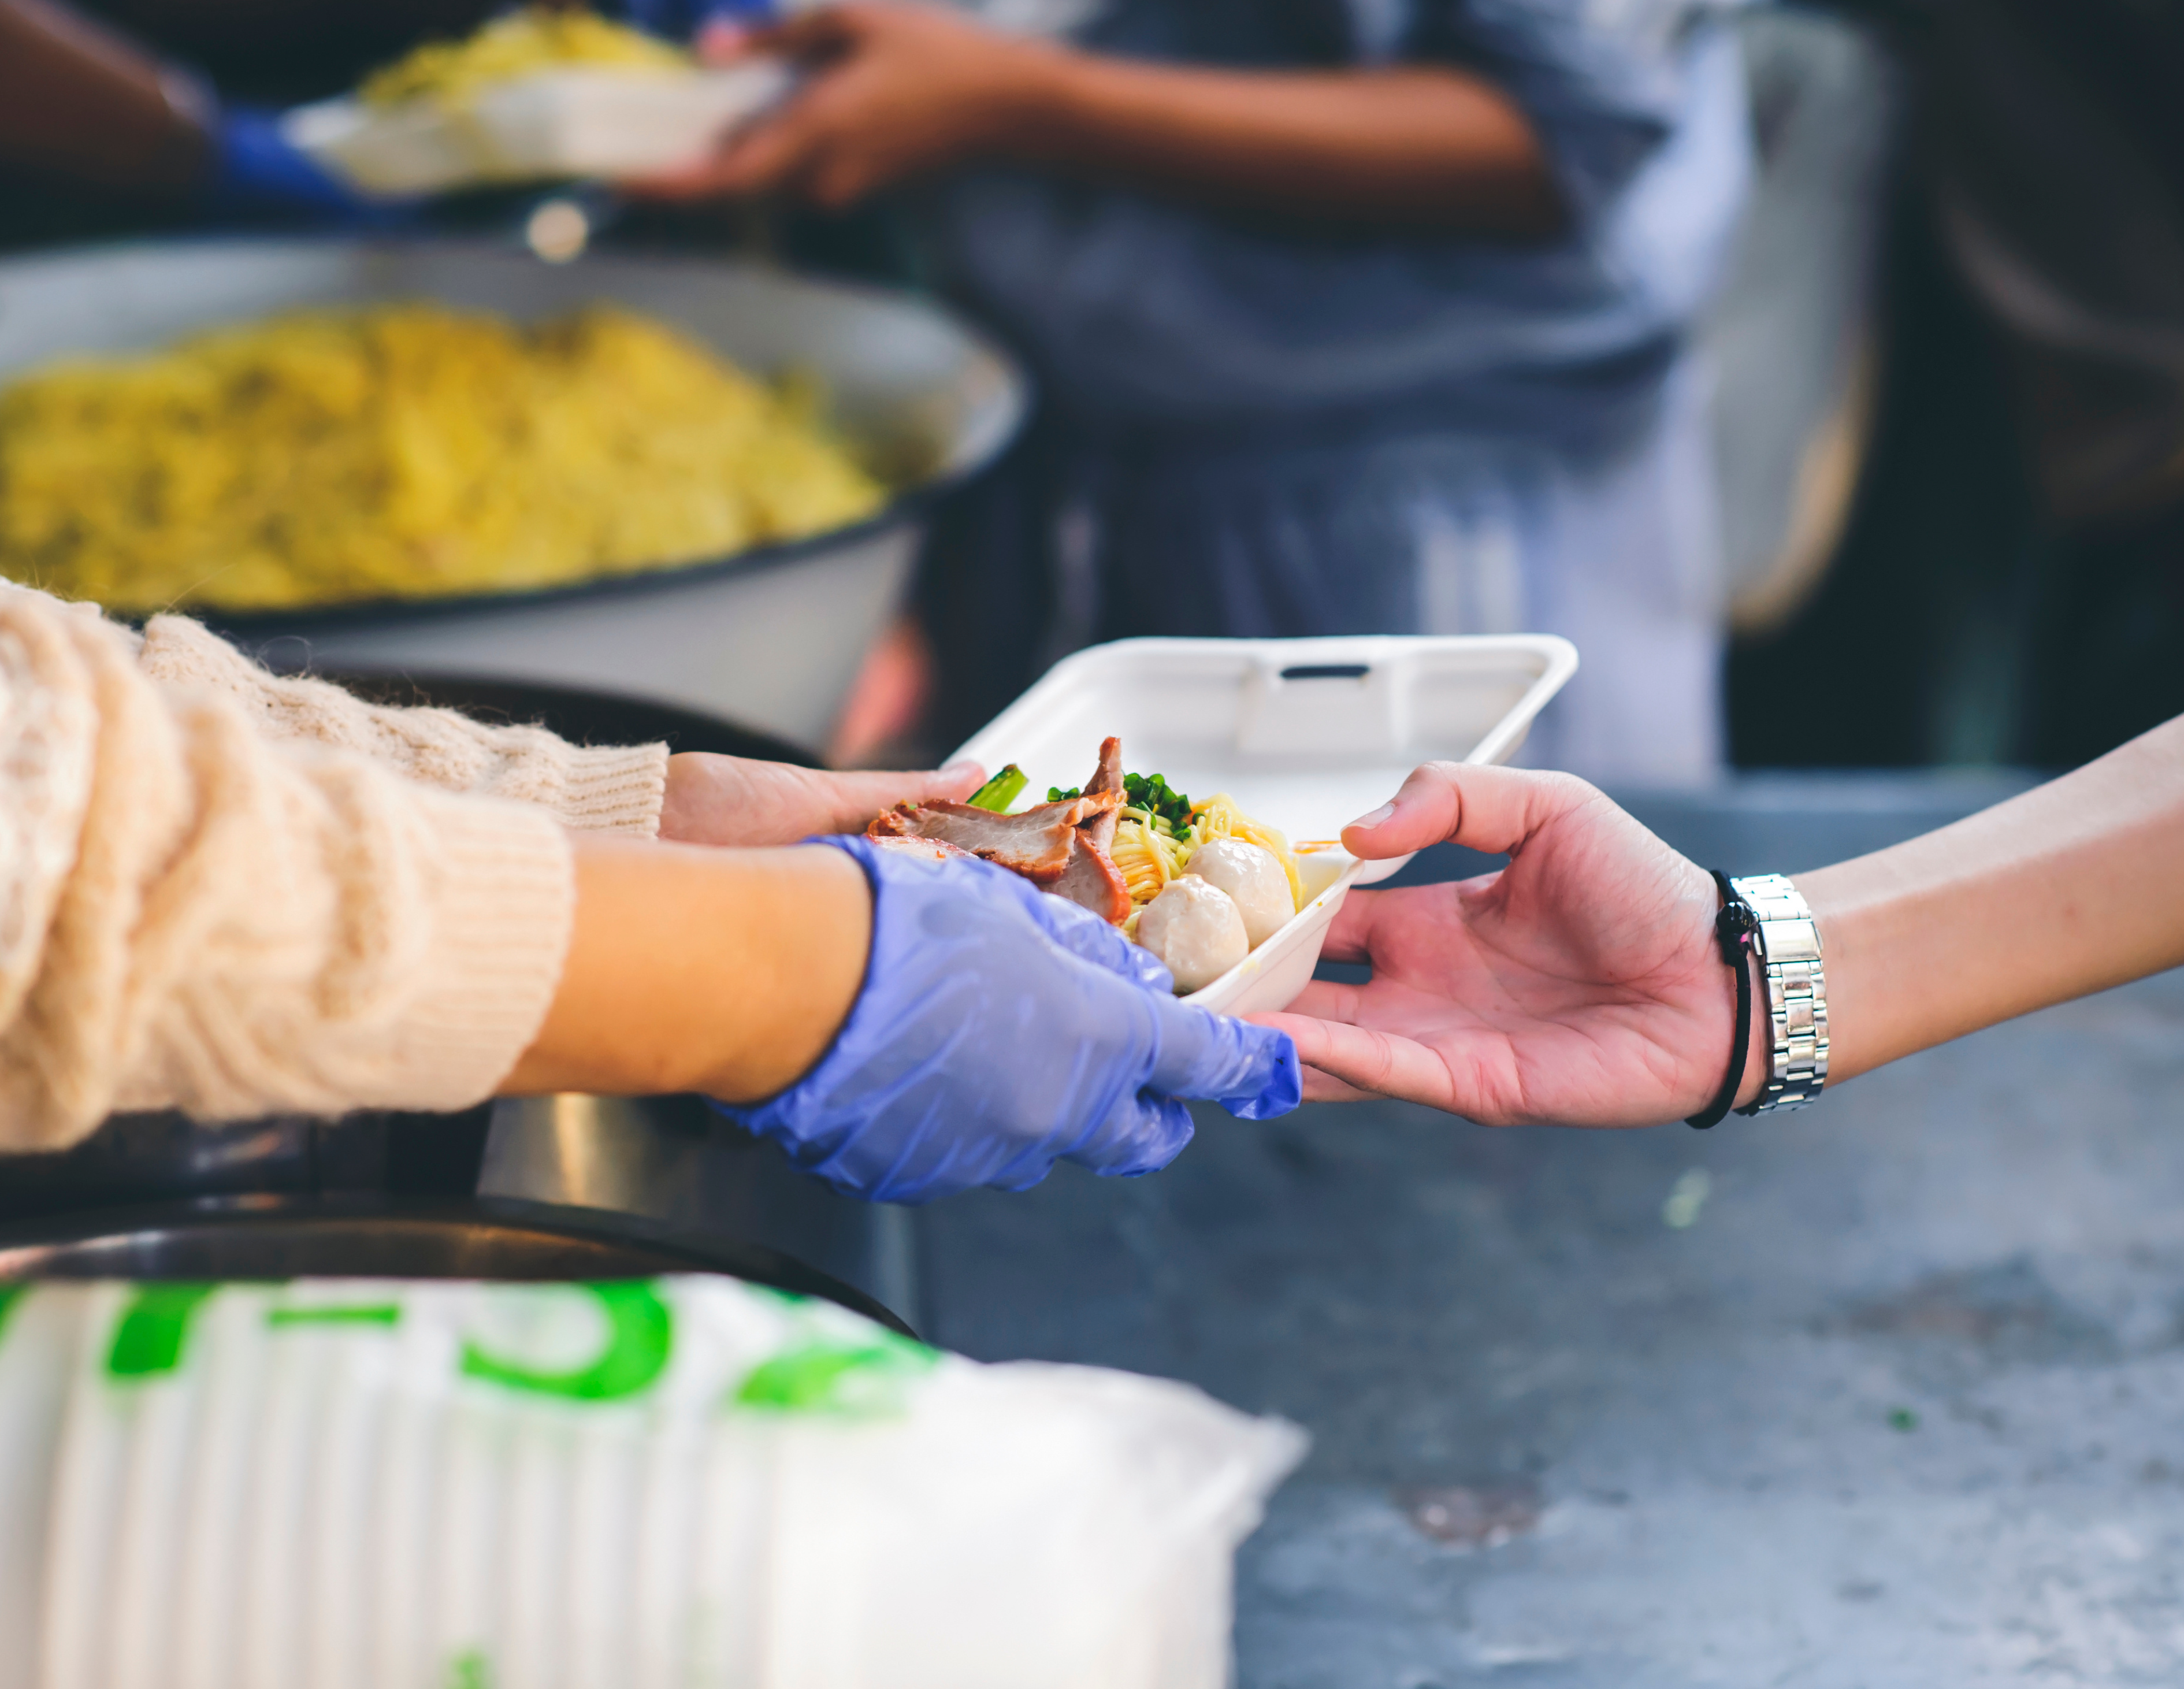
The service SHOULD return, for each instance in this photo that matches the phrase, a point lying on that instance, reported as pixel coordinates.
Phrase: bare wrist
(1041, 101)
(802, 972)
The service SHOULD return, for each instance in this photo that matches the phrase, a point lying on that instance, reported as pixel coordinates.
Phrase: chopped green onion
(1152, 794)
(1162, 806)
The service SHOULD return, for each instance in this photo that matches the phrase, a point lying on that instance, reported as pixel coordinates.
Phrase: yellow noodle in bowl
(521, 43)
(406, 451)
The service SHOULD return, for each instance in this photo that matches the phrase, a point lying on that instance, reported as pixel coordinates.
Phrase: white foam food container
(1305, 734)
(576, 122)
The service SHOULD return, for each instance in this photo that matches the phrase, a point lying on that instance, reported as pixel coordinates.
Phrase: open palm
(1579, 985)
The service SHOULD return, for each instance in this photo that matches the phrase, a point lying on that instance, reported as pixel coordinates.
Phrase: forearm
(81, 103)
(592, 789)
(694, 970)
(1408, 146)
(2070, 889)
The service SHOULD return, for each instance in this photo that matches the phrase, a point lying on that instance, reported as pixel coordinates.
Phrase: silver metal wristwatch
(1797, 993)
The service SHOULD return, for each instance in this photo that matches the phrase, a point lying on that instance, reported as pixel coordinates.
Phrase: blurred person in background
(2011, 589)
(1349, 318)
(2056, 166)
(99, 135)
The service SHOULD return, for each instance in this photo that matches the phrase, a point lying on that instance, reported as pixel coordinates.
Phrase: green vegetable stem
(1002, 790)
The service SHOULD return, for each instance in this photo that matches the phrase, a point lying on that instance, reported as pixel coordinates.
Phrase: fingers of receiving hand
(1380, 1063)
(1320, 1087)
(1323, 1000)
(1492, 810)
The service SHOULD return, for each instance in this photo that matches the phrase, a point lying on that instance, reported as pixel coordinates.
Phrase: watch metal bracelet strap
(1797, 994)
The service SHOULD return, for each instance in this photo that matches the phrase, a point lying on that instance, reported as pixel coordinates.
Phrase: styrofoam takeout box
(587, 122)
(1305, 734)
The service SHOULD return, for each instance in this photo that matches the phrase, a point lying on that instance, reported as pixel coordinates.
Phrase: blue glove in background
(256, 177)
(999, 1030)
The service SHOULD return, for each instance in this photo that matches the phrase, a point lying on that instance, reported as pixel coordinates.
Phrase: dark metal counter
(1900, 1407)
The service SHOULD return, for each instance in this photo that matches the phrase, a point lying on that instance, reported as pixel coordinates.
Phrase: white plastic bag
(686, 1481)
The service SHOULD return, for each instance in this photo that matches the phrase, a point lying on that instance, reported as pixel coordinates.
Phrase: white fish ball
(1194, 928)
(1252, 875)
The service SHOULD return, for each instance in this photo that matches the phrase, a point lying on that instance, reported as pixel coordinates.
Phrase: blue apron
(1247, 431)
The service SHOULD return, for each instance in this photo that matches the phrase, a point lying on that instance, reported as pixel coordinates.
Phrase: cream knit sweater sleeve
(193, 916)
(612, 790)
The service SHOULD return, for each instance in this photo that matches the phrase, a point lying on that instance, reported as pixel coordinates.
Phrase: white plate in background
(578, 122)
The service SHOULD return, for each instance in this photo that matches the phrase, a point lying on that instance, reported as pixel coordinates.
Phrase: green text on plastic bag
(836, 1378)
(10, 1296)
(339, 1315)
(640, 1338)
(470, 1669)
(154, 1328)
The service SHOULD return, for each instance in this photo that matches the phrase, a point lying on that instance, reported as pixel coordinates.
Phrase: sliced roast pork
(1107, 777)
(1036, 843)
(1061, 847)
(1093, 880)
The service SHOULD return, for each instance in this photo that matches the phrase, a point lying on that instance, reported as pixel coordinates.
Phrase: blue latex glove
(255, 176)
(1000, 1030)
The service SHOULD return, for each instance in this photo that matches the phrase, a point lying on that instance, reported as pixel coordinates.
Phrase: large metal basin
(770, 637)
(283, 1237)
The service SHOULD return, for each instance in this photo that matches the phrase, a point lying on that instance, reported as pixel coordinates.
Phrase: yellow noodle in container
(405, 452)
(1147, 853)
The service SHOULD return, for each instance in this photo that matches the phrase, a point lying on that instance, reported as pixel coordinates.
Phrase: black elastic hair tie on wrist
(1734, 929)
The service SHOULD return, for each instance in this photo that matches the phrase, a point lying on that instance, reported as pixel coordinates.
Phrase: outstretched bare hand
(1580, 985)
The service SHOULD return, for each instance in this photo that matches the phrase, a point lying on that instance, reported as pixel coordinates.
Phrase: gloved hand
(1000, 1030)
(254, 176)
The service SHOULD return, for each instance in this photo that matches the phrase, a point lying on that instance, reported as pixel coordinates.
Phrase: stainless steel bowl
(277, 1237)
(770, 637)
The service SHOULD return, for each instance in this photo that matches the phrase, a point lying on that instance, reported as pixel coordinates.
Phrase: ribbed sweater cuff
(615, 790)
(503, 911)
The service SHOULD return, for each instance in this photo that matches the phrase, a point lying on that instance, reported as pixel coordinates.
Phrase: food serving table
(1897, 1404)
